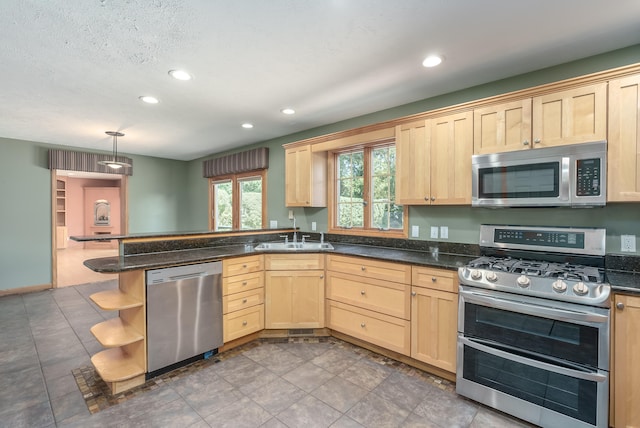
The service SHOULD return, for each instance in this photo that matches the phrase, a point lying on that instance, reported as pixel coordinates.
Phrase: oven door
(544, 361)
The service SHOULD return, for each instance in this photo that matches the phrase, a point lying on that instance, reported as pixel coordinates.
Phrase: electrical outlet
(273, 224)
(290, 214)
(628, 243)
(415, 231)
(444, 232)
(434, 232)
(314, 226)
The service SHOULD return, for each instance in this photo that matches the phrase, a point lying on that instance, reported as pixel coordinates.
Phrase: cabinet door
(626, 369)
(434, 317)
(623, 179)
(413, 159)
(451, 150)
(305, 177)
(502, 128)
(576, 115)
(294, 299)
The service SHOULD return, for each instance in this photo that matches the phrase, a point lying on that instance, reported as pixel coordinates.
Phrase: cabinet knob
(434, 279)
(244, 300)
(414, 294)
(244, 266)
(363, 268)
(362, 292)
(433, 198)
(244, 323)
(620, 305)
(536, 141)
(244, 283)
(426, 198)
(363, 325)
(321, 276)
(525, 143)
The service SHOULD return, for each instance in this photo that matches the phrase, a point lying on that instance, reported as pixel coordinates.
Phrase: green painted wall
(157, 201)
(463, 222)
(167, 195)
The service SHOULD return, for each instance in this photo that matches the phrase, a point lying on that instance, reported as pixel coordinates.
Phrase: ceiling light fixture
(180, 75)
(114, 164)
(432, 61)
(247, 125)
(288, 110)
(149, 99)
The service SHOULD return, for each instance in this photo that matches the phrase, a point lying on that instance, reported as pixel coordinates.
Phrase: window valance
(82, 161)
(250, 160)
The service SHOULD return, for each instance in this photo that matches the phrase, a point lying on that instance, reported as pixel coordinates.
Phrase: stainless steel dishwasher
(184, 313)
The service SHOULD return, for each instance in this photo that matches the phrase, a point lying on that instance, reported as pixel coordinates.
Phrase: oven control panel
(540, 237)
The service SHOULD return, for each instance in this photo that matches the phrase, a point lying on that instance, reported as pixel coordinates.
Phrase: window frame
(236, 179)
(332, 194)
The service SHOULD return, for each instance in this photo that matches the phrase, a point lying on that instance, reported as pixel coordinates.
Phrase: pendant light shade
(114, 163)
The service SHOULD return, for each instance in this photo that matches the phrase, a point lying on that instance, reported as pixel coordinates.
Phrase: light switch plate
(314, 226)
(273, 224)
(628, 243)
(415, 231)
(444, 232)
(434, 232)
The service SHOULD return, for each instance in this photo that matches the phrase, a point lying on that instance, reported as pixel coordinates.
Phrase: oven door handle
(590, 376)
(535, 310)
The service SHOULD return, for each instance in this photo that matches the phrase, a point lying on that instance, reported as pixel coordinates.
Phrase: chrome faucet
(322, 237)
(295, 234)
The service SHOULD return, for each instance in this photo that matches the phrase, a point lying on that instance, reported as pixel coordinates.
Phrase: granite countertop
(624, 282)
(197, 255)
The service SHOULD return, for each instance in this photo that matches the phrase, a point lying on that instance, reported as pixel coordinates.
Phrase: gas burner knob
(559, 286)
(476, 274)
(580, 289)
(523, 281)
(491, 276)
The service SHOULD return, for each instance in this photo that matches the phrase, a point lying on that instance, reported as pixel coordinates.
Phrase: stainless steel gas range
(533, 325)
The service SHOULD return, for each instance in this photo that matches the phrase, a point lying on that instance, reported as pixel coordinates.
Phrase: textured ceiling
(72, 69)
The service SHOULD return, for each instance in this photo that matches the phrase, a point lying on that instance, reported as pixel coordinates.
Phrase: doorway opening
(85, 204)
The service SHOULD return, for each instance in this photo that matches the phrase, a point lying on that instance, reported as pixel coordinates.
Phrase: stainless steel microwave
(572, 175)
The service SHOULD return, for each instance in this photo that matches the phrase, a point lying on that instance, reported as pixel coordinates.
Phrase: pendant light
(114, 164)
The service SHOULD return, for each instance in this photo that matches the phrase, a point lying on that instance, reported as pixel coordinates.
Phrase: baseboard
(24, 290)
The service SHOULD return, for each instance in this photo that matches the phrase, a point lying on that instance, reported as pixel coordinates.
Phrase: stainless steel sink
(293, 246)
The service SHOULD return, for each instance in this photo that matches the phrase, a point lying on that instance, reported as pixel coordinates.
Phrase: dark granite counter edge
(200, 255)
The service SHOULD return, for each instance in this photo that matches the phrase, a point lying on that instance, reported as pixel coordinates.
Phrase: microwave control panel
(588, 177)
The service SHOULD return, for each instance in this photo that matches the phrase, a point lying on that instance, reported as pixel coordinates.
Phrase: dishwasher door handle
(187, 276)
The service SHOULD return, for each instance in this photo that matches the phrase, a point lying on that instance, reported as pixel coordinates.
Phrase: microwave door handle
(565, 181)
(535, 310)
(590, 376)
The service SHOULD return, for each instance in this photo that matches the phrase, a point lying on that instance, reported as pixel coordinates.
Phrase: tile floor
(44, 335)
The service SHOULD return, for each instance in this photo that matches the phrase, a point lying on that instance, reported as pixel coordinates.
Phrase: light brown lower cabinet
(434, 317)
(626, 365)
(242, 296)
(295, 296)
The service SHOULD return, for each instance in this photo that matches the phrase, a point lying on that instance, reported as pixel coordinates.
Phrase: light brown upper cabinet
(623, 179)
(305, 177)
(576, 115)
(433, 161)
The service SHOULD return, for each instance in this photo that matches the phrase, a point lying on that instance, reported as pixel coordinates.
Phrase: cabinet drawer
(245, 321)
(390, 298)
(386, 271)
(242, 300)
(382, 330)
(239, 283)
(436, 279)
(294, 261)
(242, 265)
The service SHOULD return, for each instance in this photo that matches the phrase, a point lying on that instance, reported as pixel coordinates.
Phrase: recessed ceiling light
(432, 61)
(247, 125)
(149, 100)
(180, 75)
(288, 110)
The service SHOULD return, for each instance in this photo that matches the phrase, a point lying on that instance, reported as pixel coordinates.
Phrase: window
(238, 202)
(364, 192)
